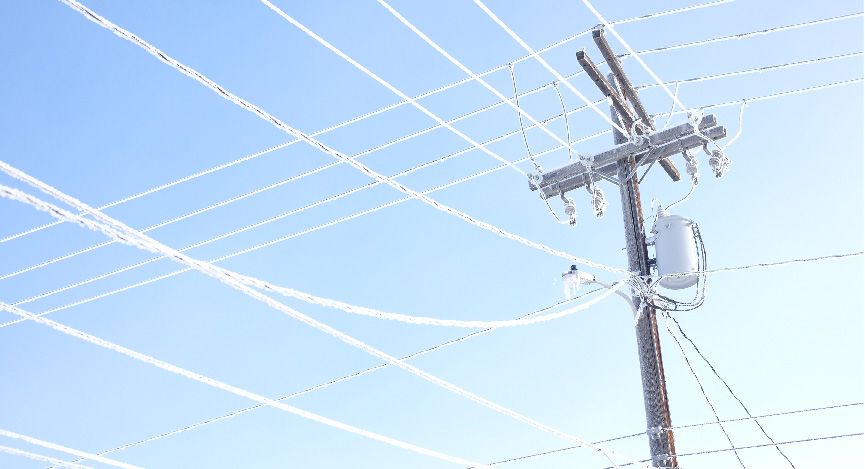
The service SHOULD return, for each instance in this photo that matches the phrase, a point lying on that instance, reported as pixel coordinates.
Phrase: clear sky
(100, 119)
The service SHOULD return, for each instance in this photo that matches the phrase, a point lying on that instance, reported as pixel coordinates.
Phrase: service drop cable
(129, 236)
(370, 114)
(329, 383)
(64, 449)
(40, 457)
(90, 15)
(227, 387)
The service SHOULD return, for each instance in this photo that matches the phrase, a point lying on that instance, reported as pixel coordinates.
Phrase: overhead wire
(64, 449)
(90, 15)
(350, 217)
(229, 388)
(546, 65)
(702, 389)
(643, 434)
(667, 318)
(261, 223)
(521, 112)
(40, 457)
(333, 382)
(123, 233)
(371, 114)
(466, 80)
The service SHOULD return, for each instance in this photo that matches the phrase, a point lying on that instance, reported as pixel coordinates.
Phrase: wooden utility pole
(621, 162)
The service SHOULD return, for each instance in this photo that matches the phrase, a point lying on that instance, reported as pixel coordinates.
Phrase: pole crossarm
(629, 93)
(652, 147)
(620, 104)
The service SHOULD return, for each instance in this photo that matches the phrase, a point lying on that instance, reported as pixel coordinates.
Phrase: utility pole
(620, 164)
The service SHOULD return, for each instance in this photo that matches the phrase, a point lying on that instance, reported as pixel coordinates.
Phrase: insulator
(599, 202)
(719, 163)
(570, 210)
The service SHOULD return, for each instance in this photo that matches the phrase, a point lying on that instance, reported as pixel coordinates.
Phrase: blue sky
(100, 119)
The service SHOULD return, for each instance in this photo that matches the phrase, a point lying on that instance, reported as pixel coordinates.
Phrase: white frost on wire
(232, 389)
(139, 241)
(90, 15)
(327, 384)
(370, 114)
(465, 70)
(129, 236)
(609, 26)
(543, 62)
(40, 457)
(387, 85)
(259, 246)
(64, 449)
(356, 215)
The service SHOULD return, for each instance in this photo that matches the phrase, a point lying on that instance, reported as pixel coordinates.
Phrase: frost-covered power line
(56, 447)
(330, 383)
(41, 457)
(232, 389)
(123, 233)
(546, 65)
(368, 115)
(222, 92)
(380, 207)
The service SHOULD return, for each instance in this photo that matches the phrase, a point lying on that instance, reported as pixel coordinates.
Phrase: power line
(387, 85)
(365, 212)
(123, 233)
(232, 389)
(40, 457)
(702, 390)
(634, 435)
(543, 62)
(335, 381)
(90, 15)
(750, 34)
(261, 223)
(667, 317)
(56, 447)
(367, 115)
(468, 72)
(313, 171)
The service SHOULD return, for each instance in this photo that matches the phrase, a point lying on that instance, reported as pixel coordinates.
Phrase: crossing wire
(123, 233)
(90, 15)
(643, 434)
(253, 226)
(150, 191)
(365, 116)
(356, 215)
(56, 447)
(40, 457)
(232, 389)
(422, 166)
(331, 382)
(667, 318)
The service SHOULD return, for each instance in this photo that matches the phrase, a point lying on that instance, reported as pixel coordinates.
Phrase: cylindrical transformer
(676, 251)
